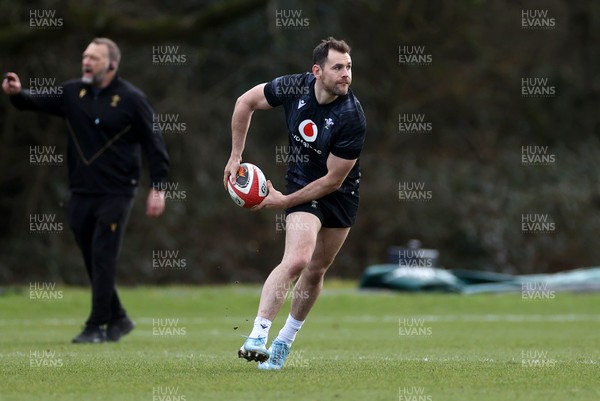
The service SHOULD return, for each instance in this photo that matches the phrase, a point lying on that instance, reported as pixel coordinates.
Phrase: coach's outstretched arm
(11, 84)
(21, 99)
(254, 99)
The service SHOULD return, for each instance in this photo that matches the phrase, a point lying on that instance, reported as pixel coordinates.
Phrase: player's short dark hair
(322, 50)
(114, 53)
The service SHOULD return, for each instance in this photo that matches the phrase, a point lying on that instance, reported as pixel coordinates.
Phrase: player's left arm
(337, 171)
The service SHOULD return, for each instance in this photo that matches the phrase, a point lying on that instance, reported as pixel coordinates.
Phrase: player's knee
(321, 265)
(297, 265)
(316, 271)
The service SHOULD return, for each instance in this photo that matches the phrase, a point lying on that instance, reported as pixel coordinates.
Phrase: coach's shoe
(90, 334)
(254, 349)
(279, 353)
(117, 329)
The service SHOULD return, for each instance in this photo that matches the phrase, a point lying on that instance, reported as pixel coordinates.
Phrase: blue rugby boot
(279, 353)
(254, 350)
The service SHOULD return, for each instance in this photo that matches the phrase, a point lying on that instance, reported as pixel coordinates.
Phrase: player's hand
(274, 199)
(155, 204)
(11, 84)
(231, 170)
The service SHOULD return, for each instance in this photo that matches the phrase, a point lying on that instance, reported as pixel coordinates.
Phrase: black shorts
(335, 210)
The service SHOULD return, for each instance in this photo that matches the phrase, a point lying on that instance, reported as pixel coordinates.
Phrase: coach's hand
(11, 84)
(155, 204)
(274, 200)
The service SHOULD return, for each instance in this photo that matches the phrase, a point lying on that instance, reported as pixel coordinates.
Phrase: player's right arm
(252, 100)
(22, 100)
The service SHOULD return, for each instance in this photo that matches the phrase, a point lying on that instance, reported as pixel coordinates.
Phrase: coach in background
(109, 122)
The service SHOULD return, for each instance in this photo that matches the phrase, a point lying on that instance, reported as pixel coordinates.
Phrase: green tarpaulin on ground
(406, 278)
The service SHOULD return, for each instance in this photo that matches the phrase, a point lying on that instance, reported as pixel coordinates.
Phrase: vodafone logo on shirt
(308, 129)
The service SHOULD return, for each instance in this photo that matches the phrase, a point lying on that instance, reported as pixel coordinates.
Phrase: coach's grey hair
(114, 54)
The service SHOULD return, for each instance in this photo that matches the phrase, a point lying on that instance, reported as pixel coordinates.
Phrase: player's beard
(335, 89)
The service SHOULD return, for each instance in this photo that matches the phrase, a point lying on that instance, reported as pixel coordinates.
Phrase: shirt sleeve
(52, 104)
(152, 142)
(285, 89)
(270, 95)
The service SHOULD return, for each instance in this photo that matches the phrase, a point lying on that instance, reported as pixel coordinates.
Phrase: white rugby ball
(250, 186)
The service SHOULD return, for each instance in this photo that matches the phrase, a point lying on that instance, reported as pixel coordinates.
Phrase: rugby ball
(250, 186)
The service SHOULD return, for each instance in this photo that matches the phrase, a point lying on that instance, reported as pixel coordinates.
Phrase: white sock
(289, 330)
(261, 328)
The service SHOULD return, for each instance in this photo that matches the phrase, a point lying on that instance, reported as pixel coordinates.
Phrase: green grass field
(354, 346)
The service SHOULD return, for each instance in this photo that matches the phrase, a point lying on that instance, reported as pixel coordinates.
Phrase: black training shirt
(107, 130)
(317, 130)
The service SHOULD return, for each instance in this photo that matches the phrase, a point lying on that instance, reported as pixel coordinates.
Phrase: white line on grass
(348, 319)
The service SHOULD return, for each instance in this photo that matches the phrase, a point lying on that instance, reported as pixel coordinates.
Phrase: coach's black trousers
(98, 223)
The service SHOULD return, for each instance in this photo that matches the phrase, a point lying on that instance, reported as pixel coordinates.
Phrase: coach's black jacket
(107, 129)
